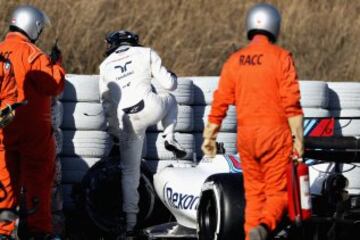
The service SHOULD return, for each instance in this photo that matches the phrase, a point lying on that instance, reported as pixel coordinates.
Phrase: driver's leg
(130, 146)
(169, 123)
(163, 107)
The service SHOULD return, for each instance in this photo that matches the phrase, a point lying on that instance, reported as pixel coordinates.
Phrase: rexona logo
(180, 200)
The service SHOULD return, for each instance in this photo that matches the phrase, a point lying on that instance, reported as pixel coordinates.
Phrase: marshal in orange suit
(27, 145)
(261, 81)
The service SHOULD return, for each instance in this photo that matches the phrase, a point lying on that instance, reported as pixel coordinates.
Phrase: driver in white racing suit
(131, 107)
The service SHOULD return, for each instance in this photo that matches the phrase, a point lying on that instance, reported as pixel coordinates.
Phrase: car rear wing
(321, 144)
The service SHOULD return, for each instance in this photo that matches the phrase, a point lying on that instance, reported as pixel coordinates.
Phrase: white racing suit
(131, 107)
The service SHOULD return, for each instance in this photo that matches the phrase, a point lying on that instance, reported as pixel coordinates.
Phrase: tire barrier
(221, 207)
(314, 94)
(81, 88)
(57, 113)
(229, 123)
(84, 126)
(94, 144)
(185, 121)
(58, 140)
(204, 88)
(83, 116)
(58, 219)
(184, 92)
(344, 95)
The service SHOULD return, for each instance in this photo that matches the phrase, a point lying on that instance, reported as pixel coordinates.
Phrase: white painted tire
(59, 139)
(94, 144)
(314, 94)
(344, 95)
(75, 168)
(156, 149)
(185, 121)
(229, 123)
(229, 140)
(316, 112)
(184, 92)
(81, 88)
(347, 127)
(57, 112)
(204, 88)
(83, 116)
(57, 175)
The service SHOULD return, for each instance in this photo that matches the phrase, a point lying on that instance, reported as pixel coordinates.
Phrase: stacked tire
(314, 101)
(85, 140)
(155, 154)
(56, 194)
(344, 102)
(204, 88)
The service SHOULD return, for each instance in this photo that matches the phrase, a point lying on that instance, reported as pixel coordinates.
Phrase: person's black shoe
(176, 148)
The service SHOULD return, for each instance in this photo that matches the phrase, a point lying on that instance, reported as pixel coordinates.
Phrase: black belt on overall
(135, 109)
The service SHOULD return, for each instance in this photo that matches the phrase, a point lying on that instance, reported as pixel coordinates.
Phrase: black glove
(7, 114)
(6, 118)
(55, 54)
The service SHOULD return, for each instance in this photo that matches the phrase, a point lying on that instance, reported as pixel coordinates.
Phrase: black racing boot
(175, 147)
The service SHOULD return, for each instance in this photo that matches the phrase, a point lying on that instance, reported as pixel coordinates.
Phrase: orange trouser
(265, 153)
(30, 166)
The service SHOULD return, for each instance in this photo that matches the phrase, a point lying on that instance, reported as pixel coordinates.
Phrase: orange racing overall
(261, 81)
(27, 146)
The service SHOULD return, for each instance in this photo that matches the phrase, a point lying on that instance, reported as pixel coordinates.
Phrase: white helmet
(29, 20)
(263, 18)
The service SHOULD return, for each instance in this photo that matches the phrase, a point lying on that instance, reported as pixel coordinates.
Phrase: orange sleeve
(8, 89)
(289, 87)
(47, 78)
(225, 93)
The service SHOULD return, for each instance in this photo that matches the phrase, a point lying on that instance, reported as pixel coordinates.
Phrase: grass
(194, 37)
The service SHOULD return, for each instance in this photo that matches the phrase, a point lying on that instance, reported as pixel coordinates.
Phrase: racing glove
(297, 130)
(55, 54)
(209, 144)
(7, 119)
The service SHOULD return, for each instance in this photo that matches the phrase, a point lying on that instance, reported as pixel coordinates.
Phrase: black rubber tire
(221, 208)
(100, 196)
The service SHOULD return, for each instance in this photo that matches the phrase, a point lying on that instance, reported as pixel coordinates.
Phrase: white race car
(205, 198)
